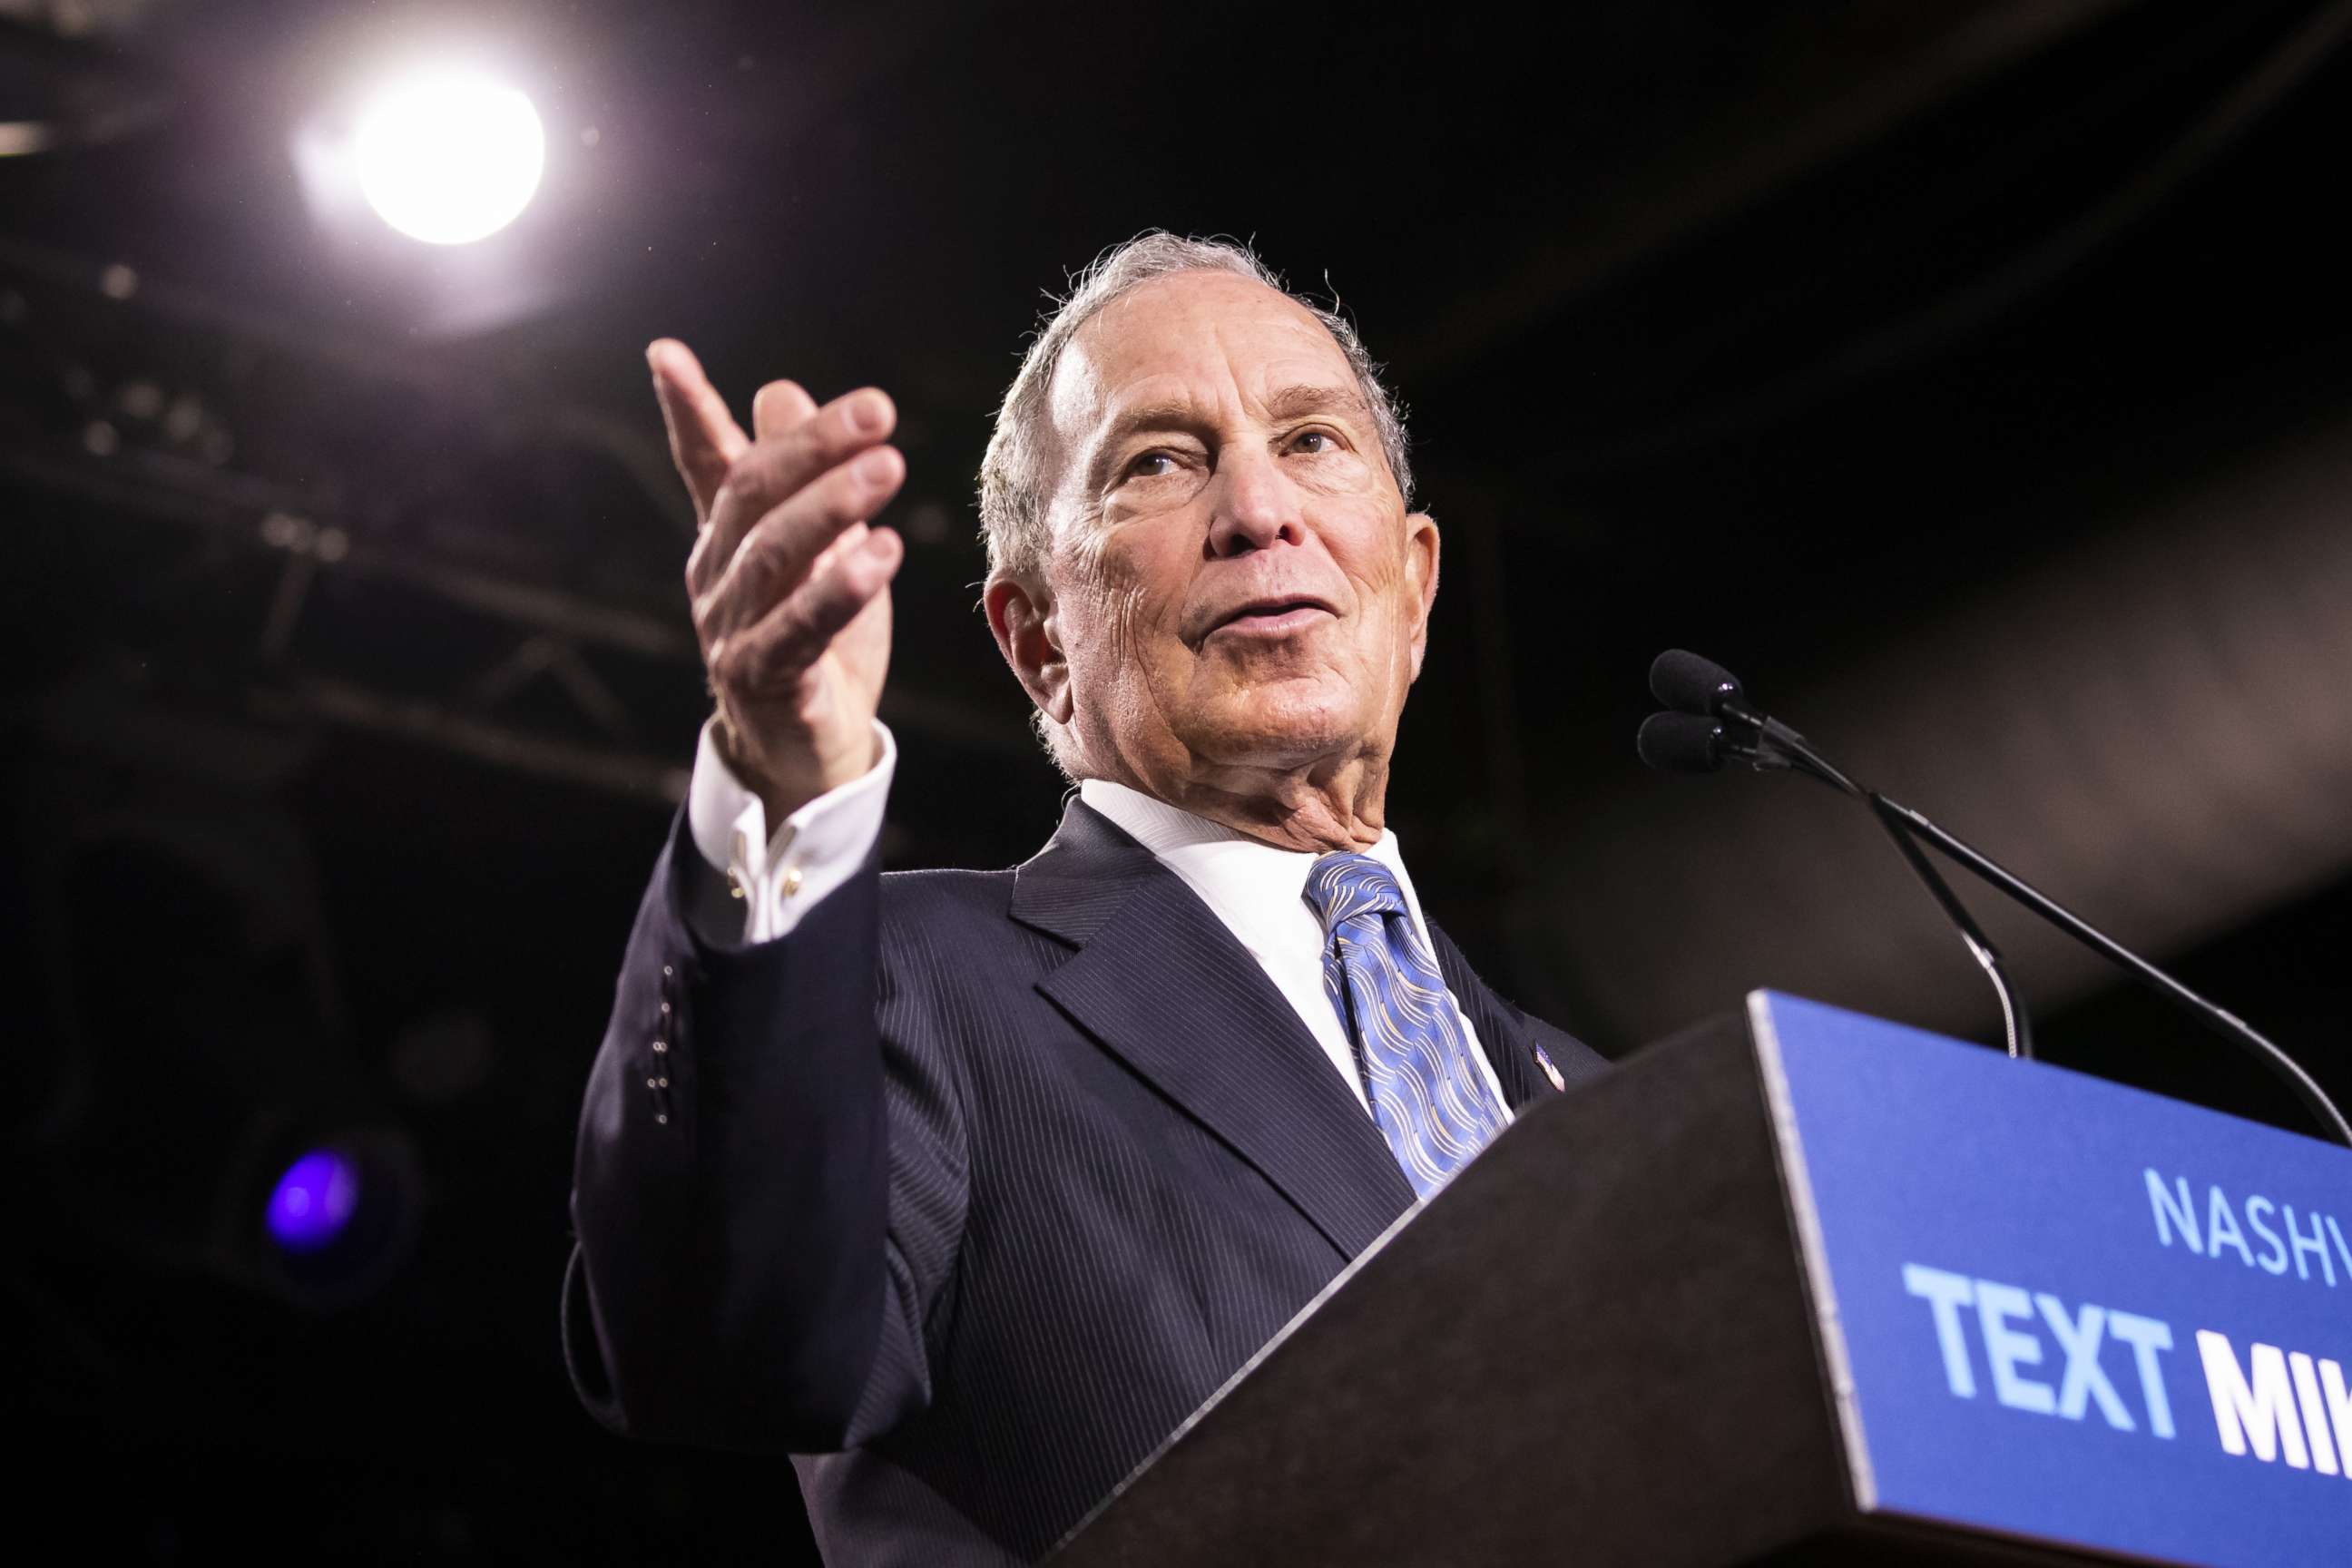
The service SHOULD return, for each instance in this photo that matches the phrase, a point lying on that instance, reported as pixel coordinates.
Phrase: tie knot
(1341, 886)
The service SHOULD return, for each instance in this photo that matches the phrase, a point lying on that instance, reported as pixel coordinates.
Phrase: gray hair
(1014, 477)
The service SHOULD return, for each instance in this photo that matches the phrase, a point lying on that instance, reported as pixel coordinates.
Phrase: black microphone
(1690, 684)
(1695, 684)
(1701, 689)
(1688, 744)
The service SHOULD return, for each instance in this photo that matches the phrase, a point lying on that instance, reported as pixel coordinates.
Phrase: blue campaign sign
(2062, 1309)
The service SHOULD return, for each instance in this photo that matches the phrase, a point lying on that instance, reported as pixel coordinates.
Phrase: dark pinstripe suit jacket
(975, 1186)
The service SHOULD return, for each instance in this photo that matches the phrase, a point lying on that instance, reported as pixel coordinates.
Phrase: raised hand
(790, 583)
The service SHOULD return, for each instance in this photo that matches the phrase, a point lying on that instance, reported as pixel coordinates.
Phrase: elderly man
(962, 1188)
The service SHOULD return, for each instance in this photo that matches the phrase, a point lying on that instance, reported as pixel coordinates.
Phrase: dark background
(1970, 377)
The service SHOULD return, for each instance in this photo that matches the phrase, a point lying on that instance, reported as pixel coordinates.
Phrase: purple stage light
(313, 1201)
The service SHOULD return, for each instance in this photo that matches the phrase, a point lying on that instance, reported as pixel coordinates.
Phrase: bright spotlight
(449, 157)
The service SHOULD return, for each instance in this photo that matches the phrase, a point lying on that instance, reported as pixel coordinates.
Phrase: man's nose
(1256, 506)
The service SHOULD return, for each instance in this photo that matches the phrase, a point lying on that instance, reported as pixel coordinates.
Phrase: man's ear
(1020, 617)
(1421, 578)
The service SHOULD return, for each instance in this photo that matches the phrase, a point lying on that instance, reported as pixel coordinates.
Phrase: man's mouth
(1275, 616)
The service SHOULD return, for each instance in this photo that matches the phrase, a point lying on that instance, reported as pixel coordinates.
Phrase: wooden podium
(1614, 1340)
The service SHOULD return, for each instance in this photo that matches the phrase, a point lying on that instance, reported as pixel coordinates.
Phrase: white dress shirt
(1257, 889)
(777, 874)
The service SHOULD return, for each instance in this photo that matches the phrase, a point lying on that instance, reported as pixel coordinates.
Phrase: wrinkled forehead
(1205, 339)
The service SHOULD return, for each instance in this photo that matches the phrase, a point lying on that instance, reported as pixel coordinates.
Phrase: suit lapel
(1160, 982)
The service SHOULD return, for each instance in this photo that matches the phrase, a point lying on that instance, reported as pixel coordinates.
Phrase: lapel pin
(1551, 1072)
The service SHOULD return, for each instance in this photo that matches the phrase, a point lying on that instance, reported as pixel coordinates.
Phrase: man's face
(1235, 581)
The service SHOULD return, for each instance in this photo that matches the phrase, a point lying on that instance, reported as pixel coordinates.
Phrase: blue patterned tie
(1428, 1096)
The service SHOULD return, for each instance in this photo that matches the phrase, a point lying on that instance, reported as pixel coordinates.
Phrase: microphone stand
(1786, 747)
(2227, 1024)
(2017, 1027)
(1685, 682)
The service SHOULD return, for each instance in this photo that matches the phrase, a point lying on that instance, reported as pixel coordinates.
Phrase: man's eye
(1151, 465)
(1323, 442)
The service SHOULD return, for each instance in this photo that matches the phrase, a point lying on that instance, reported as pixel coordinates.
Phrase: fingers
(777, 407)
(772, 472)
(781, 647)
(790, 542)
(704, 439)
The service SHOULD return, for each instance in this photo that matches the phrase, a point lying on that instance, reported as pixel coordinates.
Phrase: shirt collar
(1258, 889)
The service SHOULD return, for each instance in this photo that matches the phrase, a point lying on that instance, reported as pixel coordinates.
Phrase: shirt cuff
(778, 875)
